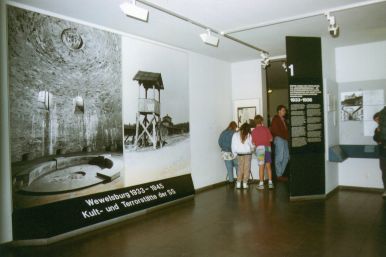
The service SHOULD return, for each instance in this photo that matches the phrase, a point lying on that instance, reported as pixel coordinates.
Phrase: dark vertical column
(304, 60)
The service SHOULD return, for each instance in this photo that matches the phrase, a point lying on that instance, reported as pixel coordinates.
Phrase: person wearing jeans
(281, 156)
(230, 164)
(279, 130)
(225, 143)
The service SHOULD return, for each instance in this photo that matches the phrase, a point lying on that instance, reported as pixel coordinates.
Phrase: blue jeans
(281, 155)
(229, 164)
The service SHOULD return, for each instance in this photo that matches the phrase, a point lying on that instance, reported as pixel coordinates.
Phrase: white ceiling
(357, 25)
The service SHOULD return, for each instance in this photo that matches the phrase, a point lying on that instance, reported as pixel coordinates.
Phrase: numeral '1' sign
(292, 70)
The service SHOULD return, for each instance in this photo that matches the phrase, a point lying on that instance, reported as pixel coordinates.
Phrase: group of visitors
(237, 148)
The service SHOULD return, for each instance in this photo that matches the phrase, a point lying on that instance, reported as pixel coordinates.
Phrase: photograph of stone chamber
(65, 85)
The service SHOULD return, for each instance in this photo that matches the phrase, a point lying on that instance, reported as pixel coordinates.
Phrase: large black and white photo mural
(155, 112)
(65, 85)
(99, 125)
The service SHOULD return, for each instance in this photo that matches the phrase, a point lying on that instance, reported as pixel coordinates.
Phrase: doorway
(277, 87)
(277, 94)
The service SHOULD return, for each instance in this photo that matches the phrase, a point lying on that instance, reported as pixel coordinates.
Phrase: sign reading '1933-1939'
(306, 114)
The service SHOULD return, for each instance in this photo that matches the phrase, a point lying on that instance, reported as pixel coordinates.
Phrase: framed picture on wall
(351, 106)
(245, 110)
(245, 114)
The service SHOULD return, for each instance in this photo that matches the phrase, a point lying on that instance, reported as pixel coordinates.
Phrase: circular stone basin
(70, 173)
(78, 175)
(67, 179)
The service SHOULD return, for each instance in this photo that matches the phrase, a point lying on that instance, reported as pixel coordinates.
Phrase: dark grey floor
(228, 222)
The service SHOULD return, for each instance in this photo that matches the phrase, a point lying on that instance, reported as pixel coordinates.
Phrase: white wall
(5, 174)
(210, 101)
(331, 126)
(247, 84)
(361, 62)
(359, 172)
(331, 130)
(246, 80)
(360, 67)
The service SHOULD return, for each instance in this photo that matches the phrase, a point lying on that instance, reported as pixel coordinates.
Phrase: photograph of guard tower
(65, 93)
(155, 112)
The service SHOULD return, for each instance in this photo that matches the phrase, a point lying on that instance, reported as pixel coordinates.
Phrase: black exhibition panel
(45, 221)
(306, 116)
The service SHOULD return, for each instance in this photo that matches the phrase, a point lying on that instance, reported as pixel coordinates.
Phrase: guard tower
(147, 130)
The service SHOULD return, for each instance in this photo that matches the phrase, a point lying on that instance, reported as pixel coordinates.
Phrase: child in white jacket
(242, 147)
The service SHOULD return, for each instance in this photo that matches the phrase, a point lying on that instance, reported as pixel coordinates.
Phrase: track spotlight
(133, 11)
(264, 60)
(332, 27)
(207, 38)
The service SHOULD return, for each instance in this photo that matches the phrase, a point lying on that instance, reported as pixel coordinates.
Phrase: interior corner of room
(192, 67)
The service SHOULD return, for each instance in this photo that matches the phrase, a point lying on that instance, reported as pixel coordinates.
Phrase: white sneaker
(270, 185)
(238, 184)
(245, 185)
(260, 186)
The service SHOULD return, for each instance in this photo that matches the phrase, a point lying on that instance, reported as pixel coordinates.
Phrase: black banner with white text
(60, 217)
(306, 116)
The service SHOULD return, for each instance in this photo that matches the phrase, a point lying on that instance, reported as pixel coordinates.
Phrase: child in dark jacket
(225, 143)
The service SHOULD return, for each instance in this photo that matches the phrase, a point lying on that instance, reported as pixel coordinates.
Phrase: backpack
(382, 124)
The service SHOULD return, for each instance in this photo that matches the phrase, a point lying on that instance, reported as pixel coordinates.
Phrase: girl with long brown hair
(242, 147)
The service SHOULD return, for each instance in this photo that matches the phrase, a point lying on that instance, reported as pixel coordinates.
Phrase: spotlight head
(133, 11)
(334, 30)
(207, 38)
